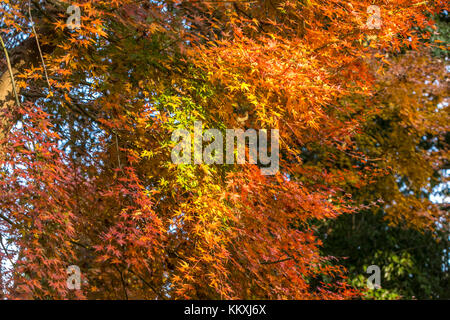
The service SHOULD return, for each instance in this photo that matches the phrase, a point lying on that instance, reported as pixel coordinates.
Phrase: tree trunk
(23, 56)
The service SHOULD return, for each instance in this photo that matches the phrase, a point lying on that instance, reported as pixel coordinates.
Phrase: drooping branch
(11, 74)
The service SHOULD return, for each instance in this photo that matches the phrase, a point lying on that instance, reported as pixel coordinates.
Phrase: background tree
(407, 234)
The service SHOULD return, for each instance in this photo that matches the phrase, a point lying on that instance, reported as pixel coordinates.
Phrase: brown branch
(5, 250)
(11, 74)
(37, 43)
(7, 220)
(278, 261)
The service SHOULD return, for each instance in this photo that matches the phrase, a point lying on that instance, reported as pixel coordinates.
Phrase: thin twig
(7, 220)
(37, 42)
(146, 283)
(6, 251)
(124, 287)
(118, 152)
(274, 262)
(11, 74)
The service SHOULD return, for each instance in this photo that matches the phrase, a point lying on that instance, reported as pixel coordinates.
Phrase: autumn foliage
(86, 174)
